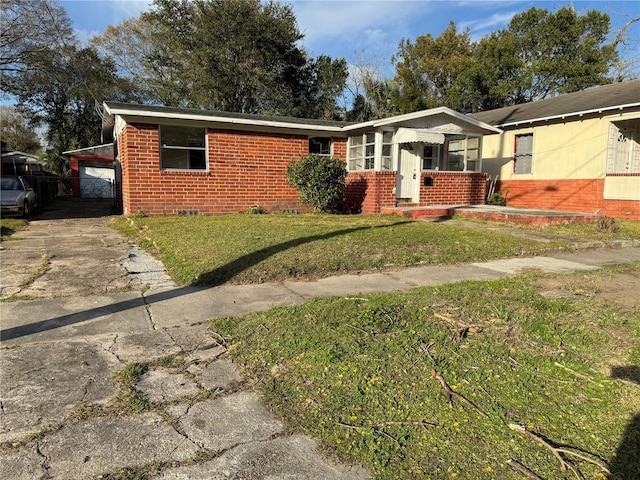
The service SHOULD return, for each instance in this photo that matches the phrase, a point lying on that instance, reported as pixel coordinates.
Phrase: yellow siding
(571, 150)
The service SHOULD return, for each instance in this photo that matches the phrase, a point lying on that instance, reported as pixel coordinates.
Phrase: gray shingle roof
(607, 97)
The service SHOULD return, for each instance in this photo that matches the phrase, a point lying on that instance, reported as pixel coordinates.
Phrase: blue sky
(370, 30)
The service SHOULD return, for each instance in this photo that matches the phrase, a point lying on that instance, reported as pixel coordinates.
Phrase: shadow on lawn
(211, 279)
(626, 464)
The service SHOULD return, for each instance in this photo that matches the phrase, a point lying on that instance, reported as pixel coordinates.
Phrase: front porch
(371, 192)
(517, 216)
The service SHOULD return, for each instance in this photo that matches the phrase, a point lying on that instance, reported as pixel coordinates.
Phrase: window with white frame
(624, 148)
(473, 154)
(387, 149)
(361, 153)
(523, 156)
(463, 153)
(183, 148)
(320, 146)
(455, 154)
(430, 157)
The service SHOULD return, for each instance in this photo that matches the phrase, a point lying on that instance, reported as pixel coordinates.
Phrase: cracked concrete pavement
(86, 303)
(79, 313)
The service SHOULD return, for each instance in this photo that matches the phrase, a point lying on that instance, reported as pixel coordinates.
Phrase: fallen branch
(450, 394)
(518, 467)
(557, 451)
(574, 373)
(414, 423)
(462, 329)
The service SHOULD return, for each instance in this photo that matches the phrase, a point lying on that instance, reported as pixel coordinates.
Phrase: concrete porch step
(521, 216)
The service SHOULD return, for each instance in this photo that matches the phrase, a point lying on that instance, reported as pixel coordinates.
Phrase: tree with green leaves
(539, 55)
(229, 55)
(17, 132)
(427, 69)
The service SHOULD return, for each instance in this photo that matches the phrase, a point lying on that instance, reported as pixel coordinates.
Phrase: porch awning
(411, 135)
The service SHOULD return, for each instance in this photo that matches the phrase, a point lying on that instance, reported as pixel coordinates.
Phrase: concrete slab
(437, 275)
(603, 258)
(514, 266)
(101, 445)
(72, 317)
(147, 269)
(22, 463)
(222, 423)
(206, 356)
(192, 337)
(42, 383)
(163, 386)
(221, 374)
(144, 346)
(292, 458)
(188, 305)
(348, 285)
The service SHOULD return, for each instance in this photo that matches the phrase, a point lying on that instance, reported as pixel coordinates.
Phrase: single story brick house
(576, 152)
(174, 161)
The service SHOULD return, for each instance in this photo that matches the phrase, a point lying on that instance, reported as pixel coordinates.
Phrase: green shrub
(319, 181)
(497, 199)
(256, 210)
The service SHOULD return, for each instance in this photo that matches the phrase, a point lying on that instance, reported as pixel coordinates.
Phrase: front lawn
(248, 248)
(541, 363)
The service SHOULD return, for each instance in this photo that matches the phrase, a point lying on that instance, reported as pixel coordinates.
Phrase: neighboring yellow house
(575, 152)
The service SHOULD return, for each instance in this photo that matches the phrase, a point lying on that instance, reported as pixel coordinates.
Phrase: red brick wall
(368, 192)
(567, 195)
(245, 169)
(453, 188)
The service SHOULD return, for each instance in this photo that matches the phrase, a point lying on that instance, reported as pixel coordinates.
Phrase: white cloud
(492, 23)
(356, 21)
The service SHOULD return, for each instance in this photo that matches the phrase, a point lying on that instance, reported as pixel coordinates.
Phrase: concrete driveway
(79, 306)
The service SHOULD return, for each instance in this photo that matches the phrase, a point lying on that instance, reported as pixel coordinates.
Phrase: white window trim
(515, 147)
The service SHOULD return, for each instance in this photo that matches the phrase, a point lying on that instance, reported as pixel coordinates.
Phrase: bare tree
(29, 27)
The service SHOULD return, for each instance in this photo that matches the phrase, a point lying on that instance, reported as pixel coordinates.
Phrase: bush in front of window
(319, 180)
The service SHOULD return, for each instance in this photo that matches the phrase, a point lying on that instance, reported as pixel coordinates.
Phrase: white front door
(407, 186)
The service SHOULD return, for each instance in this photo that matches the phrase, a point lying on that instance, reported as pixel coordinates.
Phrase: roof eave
(223, 120)
(569, 115)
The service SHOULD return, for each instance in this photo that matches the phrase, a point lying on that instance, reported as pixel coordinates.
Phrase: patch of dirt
(619, 287)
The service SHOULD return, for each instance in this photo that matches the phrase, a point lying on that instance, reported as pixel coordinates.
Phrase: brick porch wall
(567, 195)
(453, 188)
(369, 191)
(245, 169)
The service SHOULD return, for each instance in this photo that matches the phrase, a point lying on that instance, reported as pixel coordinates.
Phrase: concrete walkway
(64, 416)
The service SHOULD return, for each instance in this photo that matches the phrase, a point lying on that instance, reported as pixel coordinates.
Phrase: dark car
(17, 197)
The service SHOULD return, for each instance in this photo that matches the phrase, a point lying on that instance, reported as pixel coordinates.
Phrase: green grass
(260, 248)
(358, 374)
(610, 229)
(9, 226)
